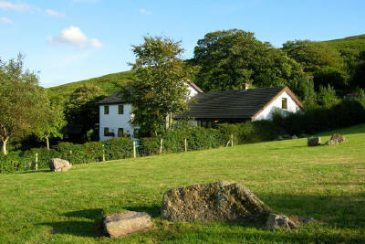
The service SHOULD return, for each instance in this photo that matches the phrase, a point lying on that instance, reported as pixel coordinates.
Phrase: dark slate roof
(229, 104)
(116, 98)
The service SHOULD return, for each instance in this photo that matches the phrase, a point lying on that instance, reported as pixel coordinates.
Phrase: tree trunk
(4, 144)
(47, 143)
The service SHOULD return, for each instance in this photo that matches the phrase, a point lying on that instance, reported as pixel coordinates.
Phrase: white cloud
(144, 11)
(6, 5)
(74, 36)
(5, 20)
(53, 13)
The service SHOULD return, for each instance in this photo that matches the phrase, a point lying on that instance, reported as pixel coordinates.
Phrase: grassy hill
(354, 43)
(327, 183)
(109, 83)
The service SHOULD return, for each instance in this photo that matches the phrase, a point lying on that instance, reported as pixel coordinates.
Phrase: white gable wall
(268, 111)
(113, 121)
(191, 91)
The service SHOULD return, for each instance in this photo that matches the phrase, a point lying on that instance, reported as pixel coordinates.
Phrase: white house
(210, 108)
(115, 114)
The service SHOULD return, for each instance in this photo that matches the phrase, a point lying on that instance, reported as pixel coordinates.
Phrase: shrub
(118, 148)
(13, 162)
(74, 153)
(93, 151)
(150, 146)
(44, 156)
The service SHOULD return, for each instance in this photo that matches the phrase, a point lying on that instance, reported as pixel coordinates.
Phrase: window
(120, 109)
(106, 109)
(284, 103)
(120, 132)
(108, 132)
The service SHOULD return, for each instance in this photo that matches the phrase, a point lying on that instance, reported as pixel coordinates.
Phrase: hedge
(311, 121)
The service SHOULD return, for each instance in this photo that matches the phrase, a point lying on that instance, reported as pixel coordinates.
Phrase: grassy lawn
(327, 183)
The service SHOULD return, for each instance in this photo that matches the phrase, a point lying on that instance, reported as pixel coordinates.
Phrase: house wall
(275, 105)
(113, 121)
(191, 91)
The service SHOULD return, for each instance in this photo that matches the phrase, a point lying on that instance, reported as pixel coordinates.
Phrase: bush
(74, 153)
(13, 162)
(44, 156)
(149, 146)
(118, 148)
(93, 152)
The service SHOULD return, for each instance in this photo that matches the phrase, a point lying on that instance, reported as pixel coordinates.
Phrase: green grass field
(326, 182)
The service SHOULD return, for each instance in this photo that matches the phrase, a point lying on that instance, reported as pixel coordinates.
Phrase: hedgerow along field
(326, 182)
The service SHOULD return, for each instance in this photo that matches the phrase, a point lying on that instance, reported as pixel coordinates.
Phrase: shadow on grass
(35, 171)
(89, 226)
(153, 210)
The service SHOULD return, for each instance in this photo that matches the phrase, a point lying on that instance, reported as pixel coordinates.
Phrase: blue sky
(70, 40)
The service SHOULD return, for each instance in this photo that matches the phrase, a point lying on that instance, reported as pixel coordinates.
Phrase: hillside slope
(325, 182)
(109, 83)
(354, 43)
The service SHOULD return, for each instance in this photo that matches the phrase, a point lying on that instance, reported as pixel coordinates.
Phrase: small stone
(128, 222)
(313, 141)
(294, 137)
(59, 165)
(336, 139)
(279, 221)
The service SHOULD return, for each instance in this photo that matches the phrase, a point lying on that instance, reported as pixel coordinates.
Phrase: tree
(22, 101)
(321, 61)
(82, 111)
(327, 96)
(53, 122)
(159, 89)
(227, 59)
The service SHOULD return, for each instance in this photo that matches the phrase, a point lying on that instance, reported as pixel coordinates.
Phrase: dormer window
(106, 109)
(284, 103)
(121, 109)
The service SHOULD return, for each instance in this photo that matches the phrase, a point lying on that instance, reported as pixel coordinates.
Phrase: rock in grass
(313, 141)
(220, 201)
(128, 222)
(336, 139)
(279, 221)
(59, 165)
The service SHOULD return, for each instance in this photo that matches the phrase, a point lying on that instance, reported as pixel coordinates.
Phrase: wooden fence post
(134, 149)
(103, 146)
(36, 161)
(161, 145)
(231, 140)
(186, 145)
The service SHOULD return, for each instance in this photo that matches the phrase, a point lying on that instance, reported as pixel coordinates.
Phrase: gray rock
(220, 201)
(313, 141)
(336, 139)
(279, 221)
(128, 222)
(294, 137)
(59, 165)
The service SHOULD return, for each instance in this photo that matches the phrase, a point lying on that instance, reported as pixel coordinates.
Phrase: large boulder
(313, 141)
(336, 139)
(220, 201)
(128, 222)
(59, 165)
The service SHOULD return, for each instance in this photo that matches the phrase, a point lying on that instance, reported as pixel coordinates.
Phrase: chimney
(245, 86)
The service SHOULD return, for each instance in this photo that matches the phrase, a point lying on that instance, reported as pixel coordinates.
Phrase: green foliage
(158, 89)
(227, 59)
(118, 148)
(82, 111)
(327, 97)
(318, 119)
(23, 103)
(74, 153)
(150, 146)
(13, 161)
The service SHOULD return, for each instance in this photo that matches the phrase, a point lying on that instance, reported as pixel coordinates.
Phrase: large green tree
(82, 113)
(159, 89)
(227, 59)
(22, 102)
(321, 61)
